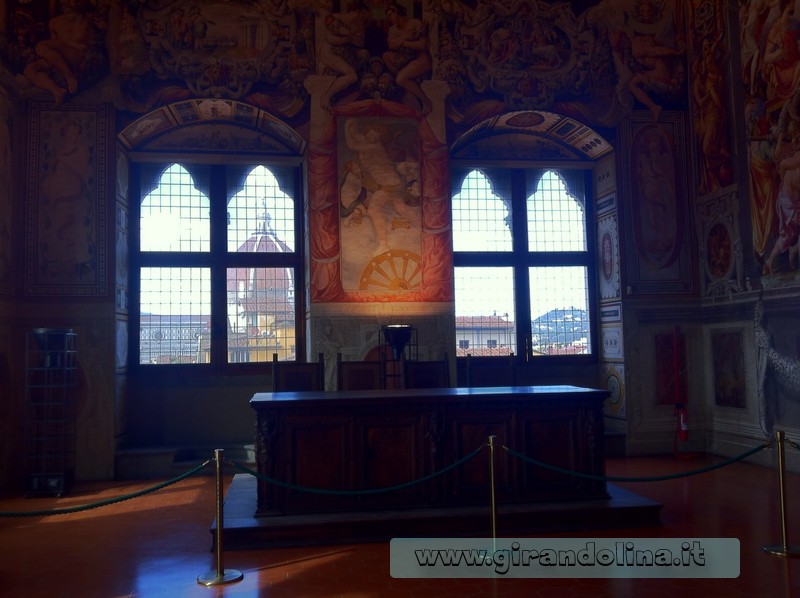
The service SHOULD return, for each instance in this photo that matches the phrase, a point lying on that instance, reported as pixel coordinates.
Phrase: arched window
(216, 263)
(524, 263)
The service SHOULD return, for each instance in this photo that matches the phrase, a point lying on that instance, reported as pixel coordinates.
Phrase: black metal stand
(399, 343)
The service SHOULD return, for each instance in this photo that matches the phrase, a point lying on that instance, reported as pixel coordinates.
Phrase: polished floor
(159, 544)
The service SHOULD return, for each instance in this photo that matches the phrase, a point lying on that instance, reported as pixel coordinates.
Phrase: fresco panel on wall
(67, 208)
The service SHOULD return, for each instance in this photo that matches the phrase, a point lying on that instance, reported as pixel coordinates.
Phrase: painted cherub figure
(62, 59)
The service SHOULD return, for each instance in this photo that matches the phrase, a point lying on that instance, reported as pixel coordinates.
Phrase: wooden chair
(358, 375)
(426, 374)
(491, 371)
(298, 375)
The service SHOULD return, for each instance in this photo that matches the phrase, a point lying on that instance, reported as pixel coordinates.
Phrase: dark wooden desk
(363, 440)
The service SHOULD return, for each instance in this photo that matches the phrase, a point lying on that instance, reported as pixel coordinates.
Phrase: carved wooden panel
(389, 455)
(471, 481)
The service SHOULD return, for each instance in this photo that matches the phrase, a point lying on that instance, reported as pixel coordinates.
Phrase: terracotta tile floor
(158, 545)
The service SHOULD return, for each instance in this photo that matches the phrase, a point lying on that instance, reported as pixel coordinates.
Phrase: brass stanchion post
(783, 549)
(220, 576)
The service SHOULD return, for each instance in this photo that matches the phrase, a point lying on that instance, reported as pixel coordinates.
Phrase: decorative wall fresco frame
(605, 176)
(720, 248)
(611, 343)
(604, 205)
(430, 273)
(671, 368)
(147, 126)
(614, 382)
(611, 312)
(657, 204)
(185, 125)
(67, 211)
(608, 266)
(730, 373)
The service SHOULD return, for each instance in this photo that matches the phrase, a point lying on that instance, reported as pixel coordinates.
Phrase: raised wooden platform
(243, 530)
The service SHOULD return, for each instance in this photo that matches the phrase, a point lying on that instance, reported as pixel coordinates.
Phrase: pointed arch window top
(261, 214)
(481, 219)
(556, 219)
(175, 214)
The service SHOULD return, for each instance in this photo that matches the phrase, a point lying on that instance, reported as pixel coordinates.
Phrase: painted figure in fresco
(756, 18)
(353, 195)
(188, 28)
(656, 180)
(70, 55)
(540, 47)
(377, 82)
(408, 55)
(787, 204)
(609, 22)
(389, 187)
(66, 199)
(763, 179)
(657, 74)
(782, 55)
(710, 121)
(503, 46)
(343, 48)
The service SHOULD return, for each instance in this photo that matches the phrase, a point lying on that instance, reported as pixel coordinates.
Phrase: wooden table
(367, 440)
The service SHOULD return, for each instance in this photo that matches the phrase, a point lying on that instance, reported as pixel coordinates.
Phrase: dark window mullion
(559, 258)
(134, 277)
(488, 259)
(300, 263)
(175, 259)
(218, 204)
(520, 244)
(591, 261)
(262, 260)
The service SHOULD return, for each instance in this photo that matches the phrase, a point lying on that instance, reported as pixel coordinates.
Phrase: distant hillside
(561, 327)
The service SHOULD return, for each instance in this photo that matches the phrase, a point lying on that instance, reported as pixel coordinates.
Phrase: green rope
(359, 492)
(145, 491)
(106, 502)
(658, 478)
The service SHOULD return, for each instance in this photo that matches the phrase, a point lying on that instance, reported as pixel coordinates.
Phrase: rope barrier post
(491, 489)
(783, 549)
(221, 575)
